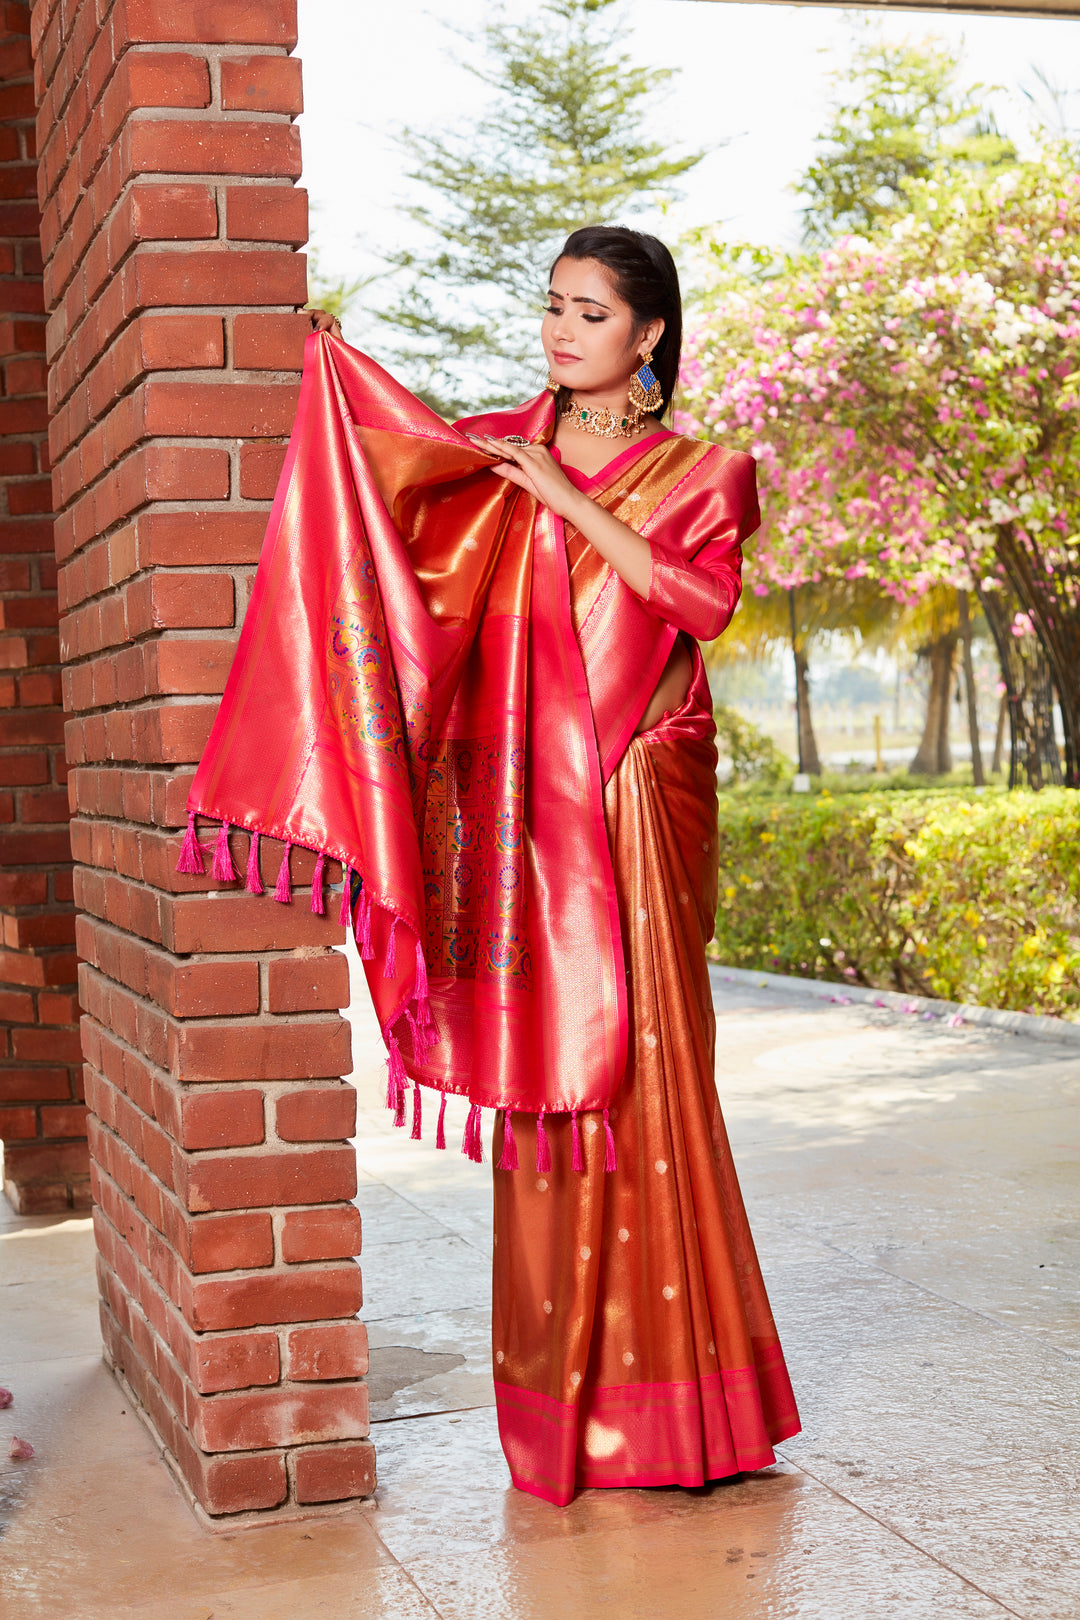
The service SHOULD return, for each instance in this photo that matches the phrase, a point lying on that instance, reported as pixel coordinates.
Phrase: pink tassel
(317, 904)
(223, 869)
(416, 1131)
(610, 1161)
(191, 856)
(345, 914)
(363, 927)
(474, 1136)
(391, 952)
(440, 1129)
(283, 891)
(423, 1004)
(578, 1159)
(254, 880)
(396, 1078)
(543, 1146)
(508, 1158)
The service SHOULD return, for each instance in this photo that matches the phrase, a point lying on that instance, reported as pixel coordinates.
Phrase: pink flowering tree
(913, 402)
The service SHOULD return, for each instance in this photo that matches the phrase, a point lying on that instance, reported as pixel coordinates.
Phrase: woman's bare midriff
(671, 688)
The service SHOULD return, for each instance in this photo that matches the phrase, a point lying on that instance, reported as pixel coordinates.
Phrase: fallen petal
(6, 1398)
(21, 1450)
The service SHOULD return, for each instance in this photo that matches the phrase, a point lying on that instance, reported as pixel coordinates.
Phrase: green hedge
(968, 897)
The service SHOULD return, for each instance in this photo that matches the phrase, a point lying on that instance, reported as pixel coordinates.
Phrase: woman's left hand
(532, 467)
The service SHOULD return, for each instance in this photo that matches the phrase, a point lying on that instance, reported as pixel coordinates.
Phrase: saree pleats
(633, 1339)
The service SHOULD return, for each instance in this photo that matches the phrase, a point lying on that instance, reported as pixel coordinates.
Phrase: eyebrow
(553, 294)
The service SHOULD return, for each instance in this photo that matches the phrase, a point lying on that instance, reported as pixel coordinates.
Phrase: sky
(753, 76)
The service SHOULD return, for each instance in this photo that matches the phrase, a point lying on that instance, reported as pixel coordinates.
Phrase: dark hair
(645, 277)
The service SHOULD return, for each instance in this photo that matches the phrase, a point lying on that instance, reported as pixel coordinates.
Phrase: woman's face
(590, 337)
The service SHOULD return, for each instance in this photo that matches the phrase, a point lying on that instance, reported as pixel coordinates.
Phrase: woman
(517, 721)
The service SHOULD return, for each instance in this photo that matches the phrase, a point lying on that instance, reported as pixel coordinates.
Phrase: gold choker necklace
(604, 424)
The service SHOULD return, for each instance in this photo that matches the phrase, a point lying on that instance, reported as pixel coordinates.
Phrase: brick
(176, 539)
(260, 1180)
(236, 1484)
(200, 146)
(264, 1051)
(24, 770)
(60, 1161)
(204, 989)
(176, 342)
(219, 410)
(50, 1046)
(265, 213)
(235, 1361)
(335, 1473)
(270, 342)
(316, 1114)
(57, 1009)
(331, 1350)
(189, 667)
(242, 1421)
(227, 1242)
(16, 1006)
(238, 922)
(260, 469)
(320, 1234)
(213, 1304)
(157, 79)
(308, 983)
(18, 1124)
(23, 888)
(63, 1121)
(175, 601)
(44, 807)
(161, 213)
(261, 84)
(226, 22)
(217, 1119)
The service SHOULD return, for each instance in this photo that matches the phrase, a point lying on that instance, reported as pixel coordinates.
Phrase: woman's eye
(592, 319)
(551, 310)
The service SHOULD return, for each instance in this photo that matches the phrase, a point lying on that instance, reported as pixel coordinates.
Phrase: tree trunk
(1048, 597)
(969, 687)
(999, 735)
(809, 763)
(1029, 690)
(808, 753)
(934, 757)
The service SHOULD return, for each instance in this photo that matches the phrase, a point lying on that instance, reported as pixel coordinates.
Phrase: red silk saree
(632, 1336)
(438, 685)
(412, 698)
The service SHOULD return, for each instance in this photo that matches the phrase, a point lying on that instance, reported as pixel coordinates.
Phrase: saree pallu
(633, 1340)
(414, 696)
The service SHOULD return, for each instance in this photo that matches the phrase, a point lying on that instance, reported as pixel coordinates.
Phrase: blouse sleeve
(699, 594)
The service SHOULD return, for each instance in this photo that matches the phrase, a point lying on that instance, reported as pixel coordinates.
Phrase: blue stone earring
(645, 390)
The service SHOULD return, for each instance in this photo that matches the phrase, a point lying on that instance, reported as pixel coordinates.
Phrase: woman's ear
(651, 335)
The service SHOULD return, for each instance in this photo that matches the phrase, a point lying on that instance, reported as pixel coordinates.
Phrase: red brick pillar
(42, 1123)
(218, 1124)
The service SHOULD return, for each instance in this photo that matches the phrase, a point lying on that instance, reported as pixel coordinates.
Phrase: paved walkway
(913, 1189)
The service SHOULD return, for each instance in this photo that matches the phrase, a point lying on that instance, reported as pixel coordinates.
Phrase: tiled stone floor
(913, 1190)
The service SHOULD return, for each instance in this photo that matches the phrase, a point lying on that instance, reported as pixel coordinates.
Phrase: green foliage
(562, 145)
(900, 112)
(751, 752)
(969, 897)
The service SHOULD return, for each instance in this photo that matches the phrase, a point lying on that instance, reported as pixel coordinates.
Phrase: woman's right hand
(323, 321)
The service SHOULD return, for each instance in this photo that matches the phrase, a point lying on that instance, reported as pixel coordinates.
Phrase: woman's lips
(565, 359)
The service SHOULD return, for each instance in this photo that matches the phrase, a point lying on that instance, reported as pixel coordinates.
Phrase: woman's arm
(697, 596)
(534, 468)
